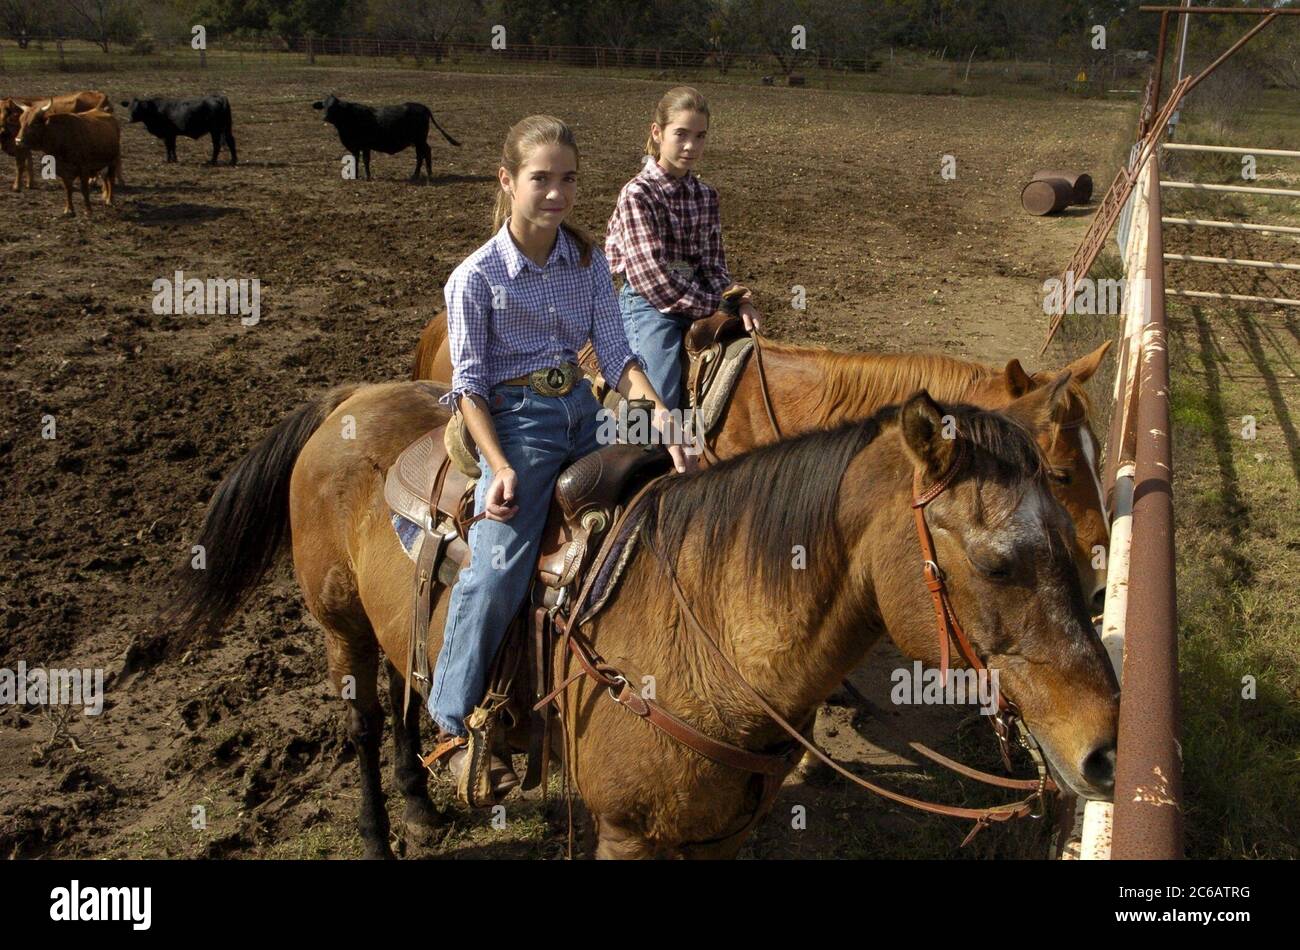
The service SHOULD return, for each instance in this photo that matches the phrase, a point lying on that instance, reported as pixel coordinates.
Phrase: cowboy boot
(452, 753)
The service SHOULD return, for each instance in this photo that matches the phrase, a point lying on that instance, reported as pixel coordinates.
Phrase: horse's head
(1005, 548)
(1071, 450)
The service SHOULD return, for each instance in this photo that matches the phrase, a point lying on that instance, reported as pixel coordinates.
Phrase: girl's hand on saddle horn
(500, 502)
(748, 312)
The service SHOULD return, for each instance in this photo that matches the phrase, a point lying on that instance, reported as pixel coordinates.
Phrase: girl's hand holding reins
(672, 437)
(749, 313)
(500, 503)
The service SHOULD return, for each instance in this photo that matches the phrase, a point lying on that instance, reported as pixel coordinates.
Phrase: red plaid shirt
(665, 237)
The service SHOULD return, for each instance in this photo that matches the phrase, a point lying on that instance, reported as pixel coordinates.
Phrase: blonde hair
(677, 99)
(525, 136)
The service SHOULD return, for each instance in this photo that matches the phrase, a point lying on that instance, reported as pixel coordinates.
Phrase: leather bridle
(773, 766)
(1007, 723)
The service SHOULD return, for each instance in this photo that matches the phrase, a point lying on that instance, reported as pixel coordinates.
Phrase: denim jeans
(539, 436)
(656, 338)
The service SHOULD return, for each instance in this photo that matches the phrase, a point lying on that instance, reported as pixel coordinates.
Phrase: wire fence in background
(1099, 75)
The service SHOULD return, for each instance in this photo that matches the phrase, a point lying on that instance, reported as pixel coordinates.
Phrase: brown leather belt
(551, 381)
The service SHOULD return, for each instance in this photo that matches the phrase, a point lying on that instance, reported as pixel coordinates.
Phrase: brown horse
(842, 494)
(814, 388)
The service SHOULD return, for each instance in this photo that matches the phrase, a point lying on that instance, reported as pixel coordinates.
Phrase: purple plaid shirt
(666, 236)
(506, 316)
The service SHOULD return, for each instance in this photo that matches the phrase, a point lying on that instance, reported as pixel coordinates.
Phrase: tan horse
(814, 388)
(843, 494)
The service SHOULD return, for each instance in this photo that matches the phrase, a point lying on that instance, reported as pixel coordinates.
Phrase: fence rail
(1232, 225)
(1243, 298)
(1138, 625)
(1284, 266)
(1230, 150)
(1232, 189)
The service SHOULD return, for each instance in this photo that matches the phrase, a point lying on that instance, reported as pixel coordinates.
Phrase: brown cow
(11, 112)
(82, 144)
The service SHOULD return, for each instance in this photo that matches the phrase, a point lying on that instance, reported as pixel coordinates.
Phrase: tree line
(790, 30)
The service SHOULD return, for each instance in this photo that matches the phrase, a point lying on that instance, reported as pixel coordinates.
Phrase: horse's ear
(1018, 381)
(1085, 366)
(921, 421)
(1041, 406)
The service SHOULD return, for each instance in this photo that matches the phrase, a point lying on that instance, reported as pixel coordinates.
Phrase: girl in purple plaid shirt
(665, 237)
(518, 309)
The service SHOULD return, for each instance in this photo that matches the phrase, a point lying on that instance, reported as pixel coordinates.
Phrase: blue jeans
(539, 436)
(656, 338)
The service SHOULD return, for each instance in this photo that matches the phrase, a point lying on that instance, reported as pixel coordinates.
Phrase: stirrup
(436, 760)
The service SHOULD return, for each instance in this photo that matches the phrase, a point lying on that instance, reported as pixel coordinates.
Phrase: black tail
(247, 523)
(440, 128)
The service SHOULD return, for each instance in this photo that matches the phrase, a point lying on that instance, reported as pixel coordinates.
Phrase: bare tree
(23, 19)
(618, 23)
(107, 21)
(435, 23)
(772, 22)
(725, 31)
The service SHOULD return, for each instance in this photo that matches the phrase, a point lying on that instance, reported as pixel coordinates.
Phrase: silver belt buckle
(554, 380)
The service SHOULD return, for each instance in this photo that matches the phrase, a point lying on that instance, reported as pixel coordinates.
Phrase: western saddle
(432, 484)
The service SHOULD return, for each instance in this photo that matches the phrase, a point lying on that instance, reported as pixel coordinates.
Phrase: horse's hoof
(814, 771)
(377, 852)
(420, 818)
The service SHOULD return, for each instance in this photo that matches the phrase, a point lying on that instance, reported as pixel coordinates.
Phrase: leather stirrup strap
(539, 730)
(427, 584)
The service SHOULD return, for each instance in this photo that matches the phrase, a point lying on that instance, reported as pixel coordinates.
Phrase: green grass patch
(1237, 509)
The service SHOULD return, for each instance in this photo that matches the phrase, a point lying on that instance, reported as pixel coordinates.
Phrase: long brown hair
(677, 99)
(524, 136)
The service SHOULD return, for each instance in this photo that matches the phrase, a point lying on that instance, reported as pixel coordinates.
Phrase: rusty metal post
(1160, 63)
(1148, 819)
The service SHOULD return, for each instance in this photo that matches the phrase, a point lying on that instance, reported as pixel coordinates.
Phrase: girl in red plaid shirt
(665, 237)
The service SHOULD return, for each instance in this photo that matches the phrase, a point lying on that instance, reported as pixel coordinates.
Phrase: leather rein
(773, 766)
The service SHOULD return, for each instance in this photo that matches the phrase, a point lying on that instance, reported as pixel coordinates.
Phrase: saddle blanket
(408, 534)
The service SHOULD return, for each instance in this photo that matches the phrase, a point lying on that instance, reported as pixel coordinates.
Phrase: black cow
(168, 118)
(388, 129)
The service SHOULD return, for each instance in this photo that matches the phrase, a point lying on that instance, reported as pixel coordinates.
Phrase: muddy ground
(838, 193)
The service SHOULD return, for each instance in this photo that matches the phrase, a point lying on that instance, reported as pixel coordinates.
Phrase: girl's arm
(667, 290)
(618, 362)
(469, 312)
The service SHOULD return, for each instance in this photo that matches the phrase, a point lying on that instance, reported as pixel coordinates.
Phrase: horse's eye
(996, 571)
(1062, 477)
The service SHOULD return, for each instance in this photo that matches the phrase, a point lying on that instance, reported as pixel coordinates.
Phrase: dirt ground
(837, 193)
